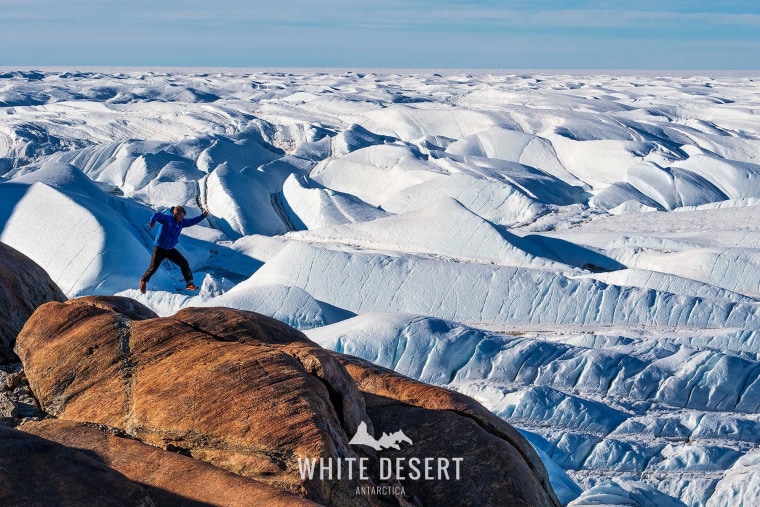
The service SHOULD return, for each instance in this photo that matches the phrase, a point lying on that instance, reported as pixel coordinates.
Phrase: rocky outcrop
(243, 392)
(23, 287)
(37, 471)
(167, 478)
(444, 423)
(252, 396)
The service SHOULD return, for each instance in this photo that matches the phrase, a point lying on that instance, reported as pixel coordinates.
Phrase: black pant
(159, 254)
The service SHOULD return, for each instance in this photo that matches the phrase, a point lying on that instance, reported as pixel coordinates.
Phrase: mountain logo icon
(393, 440)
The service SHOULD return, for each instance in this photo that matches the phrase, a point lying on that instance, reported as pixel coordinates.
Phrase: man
(166, 241)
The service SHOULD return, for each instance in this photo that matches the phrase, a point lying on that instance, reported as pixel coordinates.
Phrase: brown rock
(251, 406)
(12, 380)
(130, 308)
(167, 476)
(36, 471)
(23, 287)
(251, 395)
(446, 424)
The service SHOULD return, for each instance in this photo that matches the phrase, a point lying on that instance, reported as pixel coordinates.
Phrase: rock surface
(23, 287)
(36, 471)
(498, 463)
(255, 397)
(17, 402)
(169, 478)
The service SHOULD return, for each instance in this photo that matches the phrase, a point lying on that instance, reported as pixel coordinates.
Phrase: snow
(312, 206)
(578, 252)
(374, 173)
(242, 205)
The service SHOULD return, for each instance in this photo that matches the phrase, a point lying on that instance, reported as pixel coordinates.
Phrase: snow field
(577, 252)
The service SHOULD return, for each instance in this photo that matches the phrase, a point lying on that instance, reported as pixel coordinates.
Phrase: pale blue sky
(470, 34)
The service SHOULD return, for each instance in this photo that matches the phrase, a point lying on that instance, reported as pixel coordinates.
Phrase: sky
(424, 34)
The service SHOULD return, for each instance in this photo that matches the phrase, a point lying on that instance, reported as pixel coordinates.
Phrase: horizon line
(410, 70)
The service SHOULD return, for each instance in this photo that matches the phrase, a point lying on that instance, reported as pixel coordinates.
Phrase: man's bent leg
(178, 259)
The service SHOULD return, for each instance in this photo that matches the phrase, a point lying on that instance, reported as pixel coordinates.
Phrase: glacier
(577, 252)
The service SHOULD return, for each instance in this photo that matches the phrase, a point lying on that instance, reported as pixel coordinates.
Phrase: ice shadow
(563, 251)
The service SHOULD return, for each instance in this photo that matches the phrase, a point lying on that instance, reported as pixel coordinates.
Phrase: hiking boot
(143, 286)
(191, 286)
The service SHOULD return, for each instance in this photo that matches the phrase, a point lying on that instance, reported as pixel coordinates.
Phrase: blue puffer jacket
(168, 236)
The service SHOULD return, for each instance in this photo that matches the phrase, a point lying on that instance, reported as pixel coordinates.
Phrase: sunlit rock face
(252, 396)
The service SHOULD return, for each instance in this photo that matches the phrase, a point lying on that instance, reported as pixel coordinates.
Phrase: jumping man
(166, 241)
